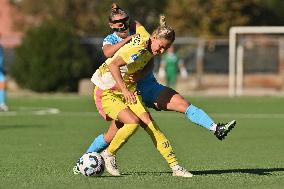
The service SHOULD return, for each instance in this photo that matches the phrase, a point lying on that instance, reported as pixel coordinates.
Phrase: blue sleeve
(110, 39)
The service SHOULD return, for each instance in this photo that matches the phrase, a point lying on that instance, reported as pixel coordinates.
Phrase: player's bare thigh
(170, 100)
(126, 116)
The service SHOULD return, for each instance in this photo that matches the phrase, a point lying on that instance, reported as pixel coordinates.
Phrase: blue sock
(98, 145)
(199, 117)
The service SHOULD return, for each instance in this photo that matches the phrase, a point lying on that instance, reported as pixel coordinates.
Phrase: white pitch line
(31, 111)
(164, 115)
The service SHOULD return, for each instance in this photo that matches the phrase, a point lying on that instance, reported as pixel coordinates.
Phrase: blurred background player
(170, 66)
(117, 98)
(3, 106)
(154, 95)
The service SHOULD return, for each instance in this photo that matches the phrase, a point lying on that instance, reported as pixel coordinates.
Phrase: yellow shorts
(109, 103)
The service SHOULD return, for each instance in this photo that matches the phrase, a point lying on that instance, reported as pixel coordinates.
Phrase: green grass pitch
(39, 145)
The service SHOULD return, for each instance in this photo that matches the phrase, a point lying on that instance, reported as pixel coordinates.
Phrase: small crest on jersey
(133, 57)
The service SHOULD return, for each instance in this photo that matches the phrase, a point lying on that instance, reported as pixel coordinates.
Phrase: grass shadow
(153, 173)
(257, 171)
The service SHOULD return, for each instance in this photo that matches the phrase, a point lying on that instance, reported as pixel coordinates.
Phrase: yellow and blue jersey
(148, 86)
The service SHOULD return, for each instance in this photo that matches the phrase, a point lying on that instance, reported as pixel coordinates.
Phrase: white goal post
(236, 54)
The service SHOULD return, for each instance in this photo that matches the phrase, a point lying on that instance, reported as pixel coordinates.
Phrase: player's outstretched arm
(109, 50)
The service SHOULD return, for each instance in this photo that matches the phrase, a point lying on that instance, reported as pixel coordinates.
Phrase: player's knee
(133, 119)
(178, 104)
(128, 117)
(183, 104)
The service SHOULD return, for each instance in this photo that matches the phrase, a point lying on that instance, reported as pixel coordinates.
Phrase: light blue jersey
(149, 88)
(111, 39)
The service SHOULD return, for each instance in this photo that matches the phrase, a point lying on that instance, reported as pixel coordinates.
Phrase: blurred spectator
(169, 67)
(3, 106)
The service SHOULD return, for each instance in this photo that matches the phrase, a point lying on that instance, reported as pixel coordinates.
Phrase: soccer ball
(91, 164)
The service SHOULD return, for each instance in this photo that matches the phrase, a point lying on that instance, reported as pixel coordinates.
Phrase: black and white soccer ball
(91, 164)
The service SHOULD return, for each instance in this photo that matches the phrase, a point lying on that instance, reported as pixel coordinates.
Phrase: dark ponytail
(116, 10)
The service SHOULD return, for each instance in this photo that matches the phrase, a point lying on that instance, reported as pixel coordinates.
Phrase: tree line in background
(189, 17)
(53, 27)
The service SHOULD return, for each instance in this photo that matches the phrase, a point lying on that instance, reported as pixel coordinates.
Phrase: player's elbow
(108, 54)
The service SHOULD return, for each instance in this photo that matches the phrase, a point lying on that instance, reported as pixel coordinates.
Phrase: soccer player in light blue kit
(154, 95)
(3, 106)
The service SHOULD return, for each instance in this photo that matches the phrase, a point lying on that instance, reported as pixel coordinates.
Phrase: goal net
(256, 60)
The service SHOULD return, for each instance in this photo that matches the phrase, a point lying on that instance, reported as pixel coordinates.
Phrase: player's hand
(183, 73)
(129, 96)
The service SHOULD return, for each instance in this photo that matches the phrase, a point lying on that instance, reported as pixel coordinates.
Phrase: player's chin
(124, 34)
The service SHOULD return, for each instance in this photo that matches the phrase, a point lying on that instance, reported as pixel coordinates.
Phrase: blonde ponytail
(163, 22)
(164, 31)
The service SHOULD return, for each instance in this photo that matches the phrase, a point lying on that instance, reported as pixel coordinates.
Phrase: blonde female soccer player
(153, 94)
(117, 98)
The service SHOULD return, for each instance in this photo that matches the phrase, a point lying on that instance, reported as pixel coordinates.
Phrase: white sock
(213, 127)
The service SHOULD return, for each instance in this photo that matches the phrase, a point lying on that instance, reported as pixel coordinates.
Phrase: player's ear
(153, 37)
(110, 25)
